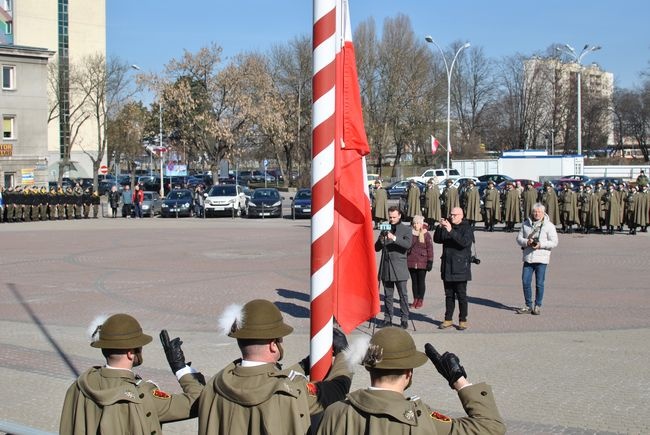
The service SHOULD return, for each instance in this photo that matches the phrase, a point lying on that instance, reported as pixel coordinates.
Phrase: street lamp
(567, 49)
(449, 69)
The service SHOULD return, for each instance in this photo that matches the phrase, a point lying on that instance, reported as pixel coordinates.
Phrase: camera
(384, 228)
(474, 259)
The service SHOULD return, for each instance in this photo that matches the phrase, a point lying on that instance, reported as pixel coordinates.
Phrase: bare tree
(125, 131)
(472, 90)
(291, 70)
(67, 107)
(106, 87)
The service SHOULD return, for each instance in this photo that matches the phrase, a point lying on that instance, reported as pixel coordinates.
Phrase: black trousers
(455, 290)
(417, 282)
(389, 291)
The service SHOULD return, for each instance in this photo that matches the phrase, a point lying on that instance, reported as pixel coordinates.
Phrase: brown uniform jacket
(390, 413)
(113, 401)
(262, 400)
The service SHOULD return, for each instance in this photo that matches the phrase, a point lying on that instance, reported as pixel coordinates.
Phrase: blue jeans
(526, 279)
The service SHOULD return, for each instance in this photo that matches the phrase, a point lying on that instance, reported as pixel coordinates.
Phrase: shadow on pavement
(293, 310)
(490, 303)
(292, 294)
(44, 331)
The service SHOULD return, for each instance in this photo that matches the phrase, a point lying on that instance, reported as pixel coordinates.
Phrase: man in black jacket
(456, 236)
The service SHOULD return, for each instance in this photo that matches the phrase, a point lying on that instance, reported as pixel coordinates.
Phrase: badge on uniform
(312, 389)
(160, 394)
(440, 417)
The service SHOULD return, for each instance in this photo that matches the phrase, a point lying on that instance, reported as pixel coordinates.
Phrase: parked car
(179, 202)
(400, 188)
(496, 178)
(301, 204)
(440, 173)
(606, 180)
(371, 178)
(536, 184)
(152, 204)
(225, 199)
(265, 202)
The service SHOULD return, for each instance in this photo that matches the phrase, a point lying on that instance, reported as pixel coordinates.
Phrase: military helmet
(393, 348)
(490, 182)
(449, 181)
(259, 319)
(119, 331)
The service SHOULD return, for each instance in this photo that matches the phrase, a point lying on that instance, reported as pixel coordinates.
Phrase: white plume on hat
(233, 313)
(356, 351)
(93, 328)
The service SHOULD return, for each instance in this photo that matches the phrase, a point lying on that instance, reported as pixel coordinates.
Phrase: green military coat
(549, 200)
(612, 209)
(432, 203)
(113, 401)
(641, 208)
(511, 206)
(568, 203)
(413, 201)
(449, 199)
(528, 199)
(264, 399)
(473, 205)
(380, 205)
(390, 413)
(492, 205)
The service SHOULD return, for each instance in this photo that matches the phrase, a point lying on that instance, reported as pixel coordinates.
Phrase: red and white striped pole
(322, 183)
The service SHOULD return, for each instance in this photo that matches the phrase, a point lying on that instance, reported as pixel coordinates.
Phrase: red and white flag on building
(434, 144)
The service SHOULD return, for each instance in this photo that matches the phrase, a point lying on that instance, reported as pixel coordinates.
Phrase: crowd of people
(256, 395)
(590, 209)
(31, 203)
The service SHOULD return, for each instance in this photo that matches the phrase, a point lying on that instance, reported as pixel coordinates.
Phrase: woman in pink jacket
(419, 259)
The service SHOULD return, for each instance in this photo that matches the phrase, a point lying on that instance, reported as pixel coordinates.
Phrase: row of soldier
(590, 209)
(31, 203)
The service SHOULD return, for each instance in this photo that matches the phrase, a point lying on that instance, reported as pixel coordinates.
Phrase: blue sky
(150, 32)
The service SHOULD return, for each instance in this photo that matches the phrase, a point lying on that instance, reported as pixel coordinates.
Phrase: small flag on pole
(434, 144)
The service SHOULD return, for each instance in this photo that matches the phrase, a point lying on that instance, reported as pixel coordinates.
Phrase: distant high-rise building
(554, 83)
(73, 29)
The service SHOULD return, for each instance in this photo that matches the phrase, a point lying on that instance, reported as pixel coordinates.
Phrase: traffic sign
(266, 163)
(103, 169)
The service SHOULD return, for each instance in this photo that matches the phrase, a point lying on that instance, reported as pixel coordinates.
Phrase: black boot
(385, 323)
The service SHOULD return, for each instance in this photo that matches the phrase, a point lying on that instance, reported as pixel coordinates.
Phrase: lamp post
(449, 69)
(567, 49)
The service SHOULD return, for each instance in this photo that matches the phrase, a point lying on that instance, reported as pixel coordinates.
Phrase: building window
(9, 28)
(8, 77)
(8, 127)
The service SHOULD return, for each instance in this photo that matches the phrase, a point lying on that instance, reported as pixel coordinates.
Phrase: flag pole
(322, 183)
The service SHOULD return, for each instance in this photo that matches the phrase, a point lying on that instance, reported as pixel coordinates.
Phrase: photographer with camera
(394, 241)
(536, 238)
(456, 237)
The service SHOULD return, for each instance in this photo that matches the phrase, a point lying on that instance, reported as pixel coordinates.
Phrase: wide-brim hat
(259, 319)
(119, 331)
(393, 348)
(490, 182)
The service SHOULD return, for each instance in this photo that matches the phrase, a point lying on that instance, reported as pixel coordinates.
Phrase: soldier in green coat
(612, 209)
(548, 198)
(568, 203)
(379, 203)
(382, 409)
(413, 205)
(511, 207)
(472, 204)
(449, 198)
(492, 206)
(432, 202)
(254, 394)
(112, 399)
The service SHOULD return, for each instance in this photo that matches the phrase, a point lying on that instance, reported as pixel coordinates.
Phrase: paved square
(580, 367)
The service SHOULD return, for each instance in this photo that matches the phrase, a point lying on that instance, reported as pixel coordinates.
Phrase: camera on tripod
(384, 228)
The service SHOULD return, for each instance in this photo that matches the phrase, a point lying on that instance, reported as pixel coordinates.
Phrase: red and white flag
(356, 295)
(434, 144)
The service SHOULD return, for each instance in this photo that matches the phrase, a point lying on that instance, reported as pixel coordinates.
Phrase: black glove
(305, 365)
(173, 351)
(448, 365)
(429, 266)
(339, 341)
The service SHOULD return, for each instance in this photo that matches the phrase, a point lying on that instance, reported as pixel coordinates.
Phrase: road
(580, 367)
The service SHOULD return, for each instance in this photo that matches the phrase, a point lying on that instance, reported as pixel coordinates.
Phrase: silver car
(151, 204)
